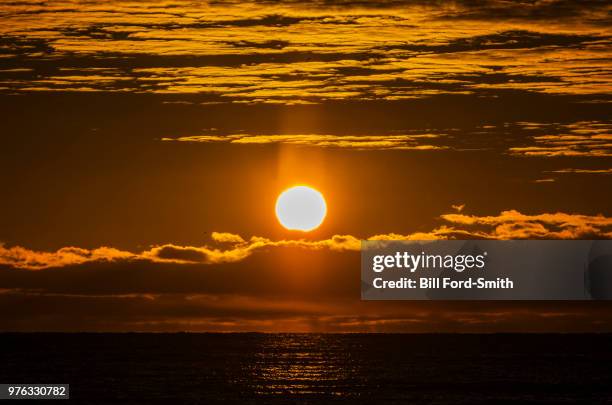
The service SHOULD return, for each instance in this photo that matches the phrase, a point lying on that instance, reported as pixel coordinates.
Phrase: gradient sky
(144, 144)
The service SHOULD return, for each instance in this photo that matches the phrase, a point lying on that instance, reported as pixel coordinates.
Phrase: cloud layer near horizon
(258, 284)
(228, 247)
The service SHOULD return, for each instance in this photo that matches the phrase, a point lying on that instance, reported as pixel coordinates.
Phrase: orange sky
(145, 144)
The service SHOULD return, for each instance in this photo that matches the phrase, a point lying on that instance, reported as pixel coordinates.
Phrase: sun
(301, 208)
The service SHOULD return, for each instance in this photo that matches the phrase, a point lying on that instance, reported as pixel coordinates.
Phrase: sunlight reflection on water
(304, 364)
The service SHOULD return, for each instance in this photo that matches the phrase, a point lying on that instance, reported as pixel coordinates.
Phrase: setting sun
(371, 201)
(301, 208)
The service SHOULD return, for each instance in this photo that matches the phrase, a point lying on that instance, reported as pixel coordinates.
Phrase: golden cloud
(20, 257)
(513, 224)
(230, 247)
(365, 142)
(583, 138)
(319, 51)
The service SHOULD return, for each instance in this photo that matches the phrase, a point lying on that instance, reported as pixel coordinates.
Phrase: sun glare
(301, 208)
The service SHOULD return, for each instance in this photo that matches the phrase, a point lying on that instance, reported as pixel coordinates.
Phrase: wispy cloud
(458, 207)
(582, 171)
(396, 142)
(586, 138)
(235, 312)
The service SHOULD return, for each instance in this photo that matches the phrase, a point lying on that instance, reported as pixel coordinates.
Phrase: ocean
(250, 368)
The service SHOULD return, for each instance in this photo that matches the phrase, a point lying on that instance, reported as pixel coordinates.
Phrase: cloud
(458, 207)
(584, 138)
(36, 311)
(513, 224)
(293, 52)
(246, 284)
(226, 237)
(179, 254)
(359, 142)
(238, 249)
(233, 248)
(545, 139)
(20, 257)
(582, 171)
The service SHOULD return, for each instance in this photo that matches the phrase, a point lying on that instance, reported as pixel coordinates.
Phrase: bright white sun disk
(301, 208)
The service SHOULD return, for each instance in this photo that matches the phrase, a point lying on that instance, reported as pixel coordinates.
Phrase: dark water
(312, 368)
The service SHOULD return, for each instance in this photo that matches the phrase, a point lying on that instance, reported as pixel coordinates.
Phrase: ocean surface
(314, 368)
